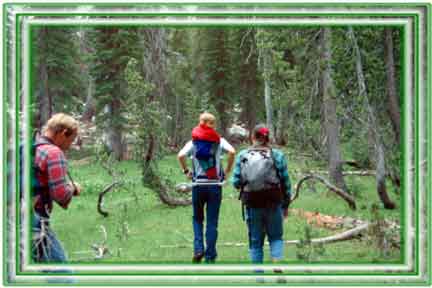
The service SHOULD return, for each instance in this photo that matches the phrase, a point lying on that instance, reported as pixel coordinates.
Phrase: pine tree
(113, 48)
(58, 83)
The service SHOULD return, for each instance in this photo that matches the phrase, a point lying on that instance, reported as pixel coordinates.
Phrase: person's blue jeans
(262, 222)
(45, 247)
(211, 197)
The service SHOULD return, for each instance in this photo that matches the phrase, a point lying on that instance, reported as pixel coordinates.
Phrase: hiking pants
(45, 245)
(210, 197)
(262, 222)
(47, 248)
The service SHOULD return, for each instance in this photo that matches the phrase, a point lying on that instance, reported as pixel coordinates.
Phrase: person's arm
(230, 163)
(181, 156)
(236, 176)
(229, 149)
(285, 181)
(60, 189)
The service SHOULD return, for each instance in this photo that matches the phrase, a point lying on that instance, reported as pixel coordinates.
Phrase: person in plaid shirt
(50, 173)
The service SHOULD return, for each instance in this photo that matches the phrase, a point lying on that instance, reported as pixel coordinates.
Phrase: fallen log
(345, 173)
(346, 235)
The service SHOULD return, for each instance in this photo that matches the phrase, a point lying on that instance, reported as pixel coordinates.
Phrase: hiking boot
(197, 257)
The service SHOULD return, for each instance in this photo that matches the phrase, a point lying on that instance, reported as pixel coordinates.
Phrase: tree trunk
(115, 131)
(381, 177)
(248, 82)
(178, 120)
(154, 64)
(280, 135)
(392, 98)
(266, 54)
(331, 122)
(220, 79)
(44, 95)
(89, 106)
(155, 69)
(373, 129)
(45, 101)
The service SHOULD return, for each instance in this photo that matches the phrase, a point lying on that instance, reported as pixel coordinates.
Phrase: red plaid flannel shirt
(52, 165)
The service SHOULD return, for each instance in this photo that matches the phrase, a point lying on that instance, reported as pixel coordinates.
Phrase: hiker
(260, 172)
(52, 185)
(206, 148)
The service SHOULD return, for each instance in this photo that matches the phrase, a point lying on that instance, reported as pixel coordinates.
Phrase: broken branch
(100, 199)
(348, 198)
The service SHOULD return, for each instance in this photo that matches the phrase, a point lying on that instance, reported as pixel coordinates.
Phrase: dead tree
(155, 182)
(392, 99)
(331, 123)
(373, 126)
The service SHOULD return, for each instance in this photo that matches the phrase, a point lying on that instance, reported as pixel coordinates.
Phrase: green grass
(153, 225)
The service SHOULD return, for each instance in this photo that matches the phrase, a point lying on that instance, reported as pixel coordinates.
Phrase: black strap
(243, 211)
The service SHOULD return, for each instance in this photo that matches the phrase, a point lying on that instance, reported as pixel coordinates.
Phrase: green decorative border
(336, 263)
(428, 19)
(18, 40)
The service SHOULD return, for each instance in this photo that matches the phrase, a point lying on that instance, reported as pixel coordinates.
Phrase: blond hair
(59, 122)
(206, 118)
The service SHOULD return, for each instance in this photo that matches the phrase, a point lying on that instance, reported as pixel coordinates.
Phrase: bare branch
(100, 199)
(348, 198)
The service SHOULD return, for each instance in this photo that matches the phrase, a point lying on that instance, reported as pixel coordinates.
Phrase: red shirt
(52, 170)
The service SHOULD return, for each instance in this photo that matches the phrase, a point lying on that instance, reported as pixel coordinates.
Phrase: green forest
(329, 95)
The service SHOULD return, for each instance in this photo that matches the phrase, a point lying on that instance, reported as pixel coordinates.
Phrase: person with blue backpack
(261, 174)
(207, 174)
(51, 184)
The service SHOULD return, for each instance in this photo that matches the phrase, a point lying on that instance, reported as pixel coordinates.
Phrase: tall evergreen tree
(58, 83)
(218, 72)
(113, 48)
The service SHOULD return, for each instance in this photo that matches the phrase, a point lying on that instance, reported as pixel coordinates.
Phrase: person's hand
(226, 174)
(285, 213)
(189, 175)
(77, 189)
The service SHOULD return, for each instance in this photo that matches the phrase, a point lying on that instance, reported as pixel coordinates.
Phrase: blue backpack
(205, 162)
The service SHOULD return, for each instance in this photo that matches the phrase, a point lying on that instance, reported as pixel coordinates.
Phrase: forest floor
(140, 229)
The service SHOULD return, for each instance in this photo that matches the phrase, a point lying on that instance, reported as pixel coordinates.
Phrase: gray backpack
(258, 171)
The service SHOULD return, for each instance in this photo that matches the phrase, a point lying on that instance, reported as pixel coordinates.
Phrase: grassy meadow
(140, 227)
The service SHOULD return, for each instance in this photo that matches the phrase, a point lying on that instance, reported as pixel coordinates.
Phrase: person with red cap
(261, 174)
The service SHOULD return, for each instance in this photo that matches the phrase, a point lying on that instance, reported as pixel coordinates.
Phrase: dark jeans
(211, 197)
